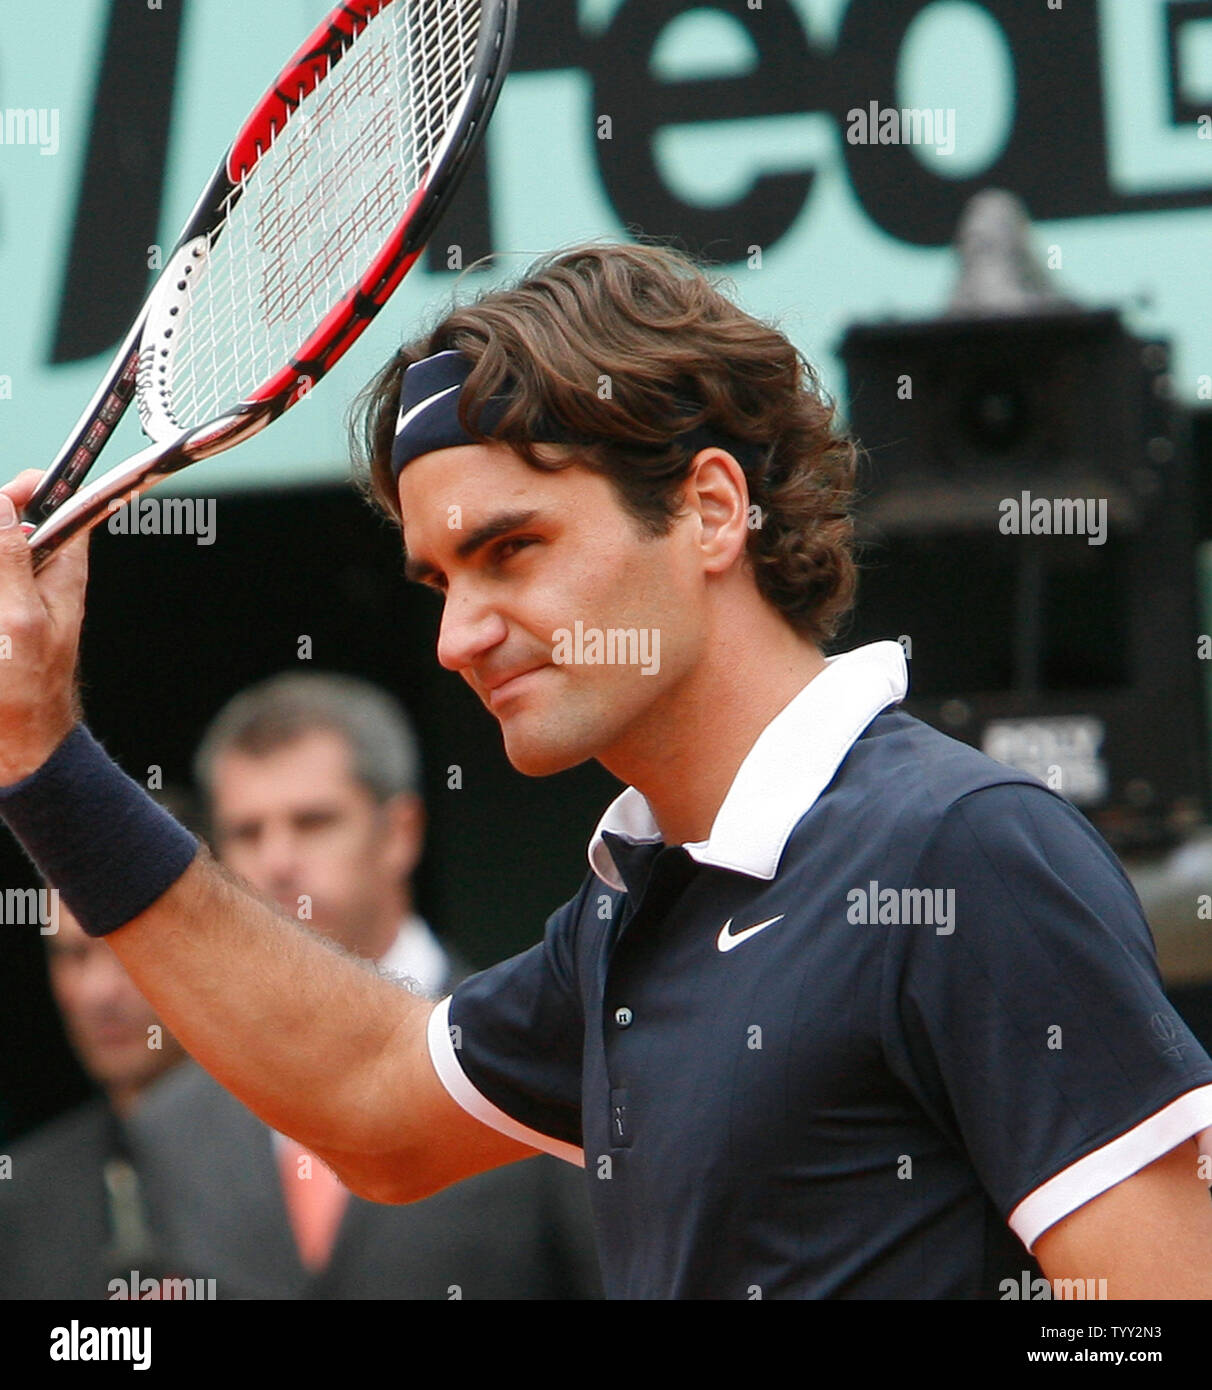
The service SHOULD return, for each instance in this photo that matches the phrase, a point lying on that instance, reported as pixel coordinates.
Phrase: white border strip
(1091, 1176)
(460, 1089)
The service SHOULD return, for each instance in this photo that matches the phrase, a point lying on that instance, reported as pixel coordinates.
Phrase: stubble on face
(581, 559)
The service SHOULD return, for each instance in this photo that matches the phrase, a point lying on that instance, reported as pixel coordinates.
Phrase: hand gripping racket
(325, 199)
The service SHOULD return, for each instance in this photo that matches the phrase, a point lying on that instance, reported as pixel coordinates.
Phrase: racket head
(328, 195)
(323, 202)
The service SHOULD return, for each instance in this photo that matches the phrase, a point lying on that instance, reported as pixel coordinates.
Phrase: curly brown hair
(630, 347)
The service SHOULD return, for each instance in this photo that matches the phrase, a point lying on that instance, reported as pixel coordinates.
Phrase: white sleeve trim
(1089, 1177)
(460, 1089)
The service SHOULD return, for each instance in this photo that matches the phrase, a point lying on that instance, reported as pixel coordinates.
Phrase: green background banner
(1146, 248)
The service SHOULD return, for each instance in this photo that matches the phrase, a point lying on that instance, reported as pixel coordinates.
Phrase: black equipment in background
(1027, 513)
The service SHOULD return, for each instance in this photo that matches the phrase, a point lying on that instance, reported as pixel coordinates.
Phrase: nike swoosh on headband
(405, 418)
(422, 430)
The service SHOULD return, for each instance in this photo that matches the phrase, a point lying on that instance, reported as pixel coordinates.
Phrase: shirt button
(623, 1017)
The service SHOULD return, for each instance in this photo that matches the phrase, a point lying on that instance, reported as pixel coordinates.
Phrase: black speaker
(1027, 533)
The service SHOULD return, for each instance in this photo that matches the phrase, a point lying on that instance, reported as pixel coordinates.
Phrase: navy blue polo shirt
(898, 1015)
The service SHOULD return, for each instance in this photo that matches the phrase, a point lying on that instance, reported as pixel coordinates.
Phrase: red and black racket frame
(336, 333)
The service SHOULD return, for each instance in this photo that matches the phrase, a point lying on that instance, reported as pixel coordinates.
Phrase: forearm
(295, 1028)
(314, 1042)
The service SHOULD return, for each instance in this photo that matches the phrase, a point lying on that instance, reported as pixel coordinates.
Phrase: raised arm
(313, 1040)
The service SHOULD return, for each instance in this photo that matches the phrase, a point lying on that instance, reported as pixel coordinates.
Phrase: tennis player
(842, 1009)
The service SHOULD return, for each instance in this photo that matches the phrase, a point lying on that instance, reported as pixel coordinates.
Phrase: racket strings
(306, 222)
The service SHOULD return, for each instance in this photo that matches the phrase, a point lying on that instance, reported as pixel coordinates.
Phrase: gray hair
(382, 742)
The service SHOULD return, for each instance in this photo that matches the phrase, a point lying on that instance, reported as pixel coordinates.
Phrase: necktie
(315, 1202)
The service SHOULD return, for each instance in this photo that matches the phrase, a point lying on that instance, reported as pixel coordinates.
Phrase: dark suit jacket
(517, 1232)
(63, 1233)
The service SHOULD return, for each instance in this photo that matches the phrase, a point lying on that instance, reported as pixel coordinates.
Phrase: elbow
(395, 1180)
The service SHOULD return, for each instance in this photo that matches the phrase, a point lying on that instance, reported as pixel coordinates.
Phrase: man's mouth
(505, 687)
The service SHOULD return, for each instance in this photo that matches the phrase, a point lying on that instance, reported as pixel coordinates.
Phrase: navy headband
(429, 417)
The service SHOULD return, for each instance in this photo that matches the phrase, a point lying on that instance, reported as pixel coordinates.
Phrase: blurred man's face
(114, 1030)
(302, 830)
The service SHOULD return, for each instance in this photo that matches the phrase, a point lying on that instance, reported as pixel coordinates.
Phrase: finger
(58, 588)
(22, 487)
(62, 581)
(16, 561)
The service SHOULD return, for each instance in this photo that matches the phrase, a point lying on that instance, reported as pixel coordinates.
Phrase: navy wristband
(95, 834)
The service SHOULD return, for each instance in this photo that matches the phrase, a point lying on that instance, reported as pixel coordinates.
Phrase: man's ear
(404, 832)
(717, 492)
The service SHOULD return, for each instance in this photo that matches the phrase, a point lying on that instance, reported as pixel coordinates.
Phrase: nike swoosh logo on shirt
(729, 941)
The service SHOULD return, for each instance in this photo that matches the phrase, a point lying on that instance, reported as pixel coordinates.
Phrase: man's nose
(101, 985)
(470, 627)
(275, 858)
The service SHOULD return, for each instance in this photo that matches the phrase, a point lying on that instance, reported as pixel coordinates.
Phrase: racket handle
(101, 498)
(71, 464)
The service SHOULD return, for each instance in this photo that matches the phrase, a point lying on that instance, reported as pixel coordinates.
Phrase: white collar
(790, 764)
(416, 953)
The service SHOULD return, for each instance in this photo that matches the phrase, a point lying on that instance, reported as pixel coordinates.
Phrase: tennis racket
(319, 208)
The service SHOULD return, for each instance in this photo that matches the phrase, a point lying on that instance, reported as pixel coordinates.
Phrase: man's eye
(507, 548)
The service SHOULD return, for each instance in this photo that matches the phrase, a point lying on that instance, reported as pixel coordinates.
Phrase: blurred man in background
(312, 787)
(73, 1214)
